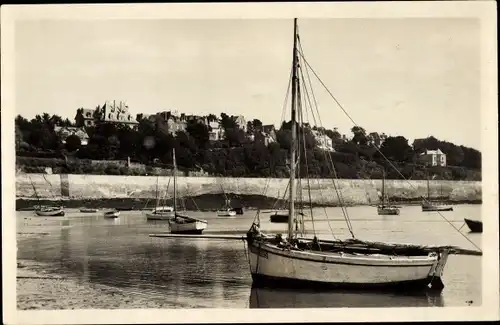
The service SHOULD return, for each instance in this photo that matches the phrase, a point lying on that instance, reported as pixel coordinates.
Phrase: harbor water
(205, 273)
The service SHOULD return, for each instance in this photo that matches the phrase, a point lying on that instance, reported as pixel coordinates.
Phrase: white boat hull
(195, 227)
(270, 264)
(226, 213)
(112, 215)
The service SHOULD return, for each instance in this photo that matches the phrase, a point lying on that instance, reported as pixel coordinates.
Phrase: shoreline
(205, 202)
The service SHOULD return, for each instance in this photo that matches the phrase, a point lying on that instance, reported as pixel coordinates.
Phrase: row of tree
(365, 155)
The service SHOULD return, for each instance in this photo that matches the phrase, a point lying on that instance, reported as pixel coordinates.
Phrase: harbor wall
(353, 191)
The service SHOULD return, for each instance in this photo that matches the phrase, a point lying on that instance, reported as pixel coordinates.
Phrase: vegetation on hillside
(238, 155)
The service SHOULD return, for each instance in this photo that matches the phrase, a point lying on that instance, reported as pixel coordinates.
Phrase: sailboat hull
(387, 211)
(474, 225)
(426, 207)
(226, 213)
(279, 217)
(271, 265)
(195, 227)
(159, 215)
(52, 212)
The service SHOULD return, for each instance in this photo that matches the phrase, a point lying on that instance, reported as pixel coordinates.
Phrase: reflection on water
(212, 273)
(286, 298)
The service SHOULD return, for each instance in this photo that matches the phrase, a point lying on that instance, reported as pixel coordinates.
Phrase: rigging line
(378, 150)
(283, 110)
(301, 116)
(339, 194)
(344, 210)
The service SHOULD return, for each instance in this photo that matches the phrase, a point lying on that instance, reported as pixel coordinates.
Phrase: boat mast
(383, 187)
(157, 179)
(175, 182)
(291, 215)
(428, 188)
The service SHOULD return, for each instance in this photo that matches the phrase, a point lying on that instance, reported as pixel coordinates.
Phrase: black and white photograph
(249, 162)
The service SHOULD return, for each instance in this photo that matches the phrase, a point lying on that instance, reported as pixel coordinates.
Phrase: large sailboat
(181, 223)
(298, 261)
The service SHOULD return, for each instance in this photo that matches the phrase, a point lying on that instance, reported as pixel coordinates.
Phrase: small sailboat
(297, 261)
(280, 215)
(46, 211)
(160, 212)
(113, 214)
(181, 223)
(474, 225)
(428, 205)
(385, 209)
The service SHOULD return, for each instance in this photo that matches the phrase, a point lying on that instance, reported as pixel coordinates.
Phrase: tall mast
(175, 182)
(293, 148)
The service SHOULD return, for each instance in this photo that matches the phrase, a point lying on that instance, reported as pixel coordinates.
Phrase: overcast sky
(410, 77)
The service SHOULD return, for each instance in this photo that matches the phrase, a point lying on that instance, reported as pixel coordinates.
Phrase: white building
(324, 142)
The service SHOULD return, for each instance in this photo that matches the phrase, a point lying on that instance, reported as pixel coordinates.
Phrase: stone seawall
(354, 192)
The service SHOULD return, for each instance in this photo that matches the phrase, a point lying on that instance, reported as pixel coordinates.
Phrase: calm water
(214, 273)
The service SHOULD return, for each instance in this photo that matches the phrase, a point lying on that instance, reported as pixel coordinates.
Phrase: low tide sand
(38, 290)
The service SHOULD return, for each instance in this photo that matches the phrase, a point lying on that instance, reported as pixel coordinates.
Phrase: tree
(199, 131)
(397, 148)
(359, 135)
(73, 143)
(374, 139)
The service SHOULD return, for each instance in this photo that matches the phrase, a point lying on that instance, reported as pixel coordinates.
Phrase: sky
(413, 77)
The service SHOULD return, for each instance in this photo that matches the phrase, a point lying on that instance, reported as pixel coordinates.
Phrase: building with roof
(65, 131)
(433, 158)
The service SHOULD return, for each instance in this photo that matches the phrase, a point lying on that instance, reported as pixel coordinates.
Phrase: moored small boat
(186, 225)
(226, 213)
(474, 225)
(427, 207)
(280, 216)
(387, 210)
(50, 212)
(112, 214)
(88, 210)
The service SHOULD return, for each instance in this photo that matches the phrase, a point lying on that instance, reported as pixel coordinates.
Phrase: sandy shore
(39, 290)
